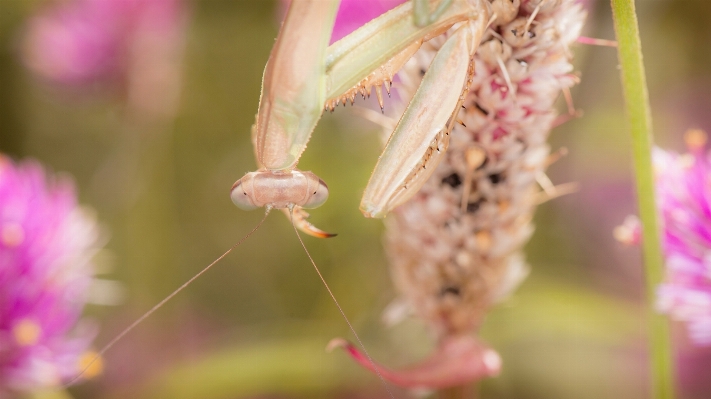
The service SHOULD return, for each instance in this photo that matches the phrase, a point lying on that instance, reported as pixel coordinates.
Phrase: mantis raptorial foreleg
(304, 76)
(293, 85)
(422, 135)
(351, 60)
(422, 11)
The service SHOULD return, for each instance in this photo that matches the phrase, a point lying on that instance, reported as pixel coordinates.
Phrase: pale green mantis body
(304, 76)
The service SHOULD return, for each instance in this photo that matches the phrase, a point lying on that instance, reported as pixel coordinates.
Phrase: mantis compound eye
(317, 196)
(240, 197)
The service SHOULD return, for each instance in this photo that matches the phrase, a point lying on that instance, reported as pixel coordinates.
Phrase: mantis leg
(303, 72)
(441, 8)
(422, 134)
(293, 86)
(422, 11)
(390, 36)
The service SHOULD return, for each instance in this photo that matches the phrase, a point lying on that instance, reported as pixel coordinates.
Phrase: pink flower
(46, 244)
(684, 200)
(85, 41)
(683, 191)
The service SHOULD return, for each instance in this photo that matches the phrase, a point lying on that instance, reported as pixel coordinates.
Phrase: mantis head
(279, 189)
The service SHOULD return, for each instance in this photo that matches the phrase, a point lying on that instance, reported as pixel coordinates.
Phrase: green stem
(638, 111)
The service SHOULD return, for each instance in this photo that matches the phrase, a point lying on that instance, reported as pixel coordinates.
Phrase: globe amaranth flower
(46, 246)
(683, 193)
(87, 41)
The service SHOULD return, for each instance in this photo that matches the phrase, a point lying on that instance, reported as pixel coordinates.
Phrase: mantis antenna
(340, 309)
(161, 303)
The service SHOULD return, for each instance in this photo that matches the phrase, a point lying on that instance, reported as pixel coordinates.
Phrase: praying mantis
(304, 76)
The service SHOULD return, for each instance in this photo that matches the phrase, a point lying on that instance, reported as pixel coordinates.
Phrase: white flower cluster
(456, 247)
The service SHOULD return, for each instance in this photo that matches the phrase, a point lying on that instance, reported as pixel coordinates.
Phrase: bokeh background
(256, 325)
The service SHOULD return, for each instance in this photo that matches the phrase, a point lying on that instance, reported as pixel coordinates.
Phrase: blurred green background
(256, 325)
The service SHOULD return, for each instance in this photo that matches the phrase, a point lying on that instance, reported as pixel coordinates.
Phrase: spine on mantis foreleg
(370, 56)
(455, 248)
(293, 86)
(382, 76)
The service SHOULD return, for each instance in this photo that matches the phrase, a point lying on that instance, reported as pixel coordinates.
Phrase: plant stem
(638, 111)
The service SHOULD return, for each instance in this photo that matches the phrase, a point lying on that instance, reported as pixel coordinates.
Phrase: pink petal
(457, 361)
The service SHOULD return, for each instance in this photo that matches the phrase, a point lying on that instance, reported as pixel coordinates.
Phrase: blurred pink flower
(684, 199)
(46, 245)
(86, 41)
(683, 190)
